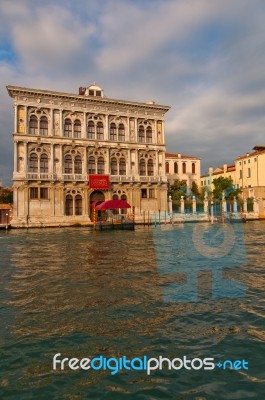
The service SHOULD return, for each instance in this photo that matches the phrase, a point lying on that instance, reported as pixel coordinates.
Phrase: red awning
(113, 204)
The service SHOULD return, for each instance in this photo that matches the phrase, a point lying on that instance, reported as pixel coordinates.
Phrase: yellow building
(181, 167)
(226, 171)
(72, 151)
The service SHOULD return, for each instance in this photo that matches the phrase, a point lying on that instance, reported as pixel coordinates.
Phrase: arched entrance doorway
(95, 199)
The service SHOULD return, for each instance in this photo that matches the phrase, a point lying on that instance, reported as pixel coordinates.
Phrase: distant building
(180, 167)
(226, 171)
(72, 151)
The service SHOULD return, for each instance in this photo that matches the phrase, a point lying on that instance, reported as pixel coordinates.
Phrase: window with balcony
(141, 137)
(78, 204)
(68, 164)
(101, 165)
(69, 205)
(121, 133)
(33, 162)
(91, 130)
(78, 165)
(33, 125)
(150, 168)
(67, 128)
(142, 170)
(77, 129)
(122, 167)
(91, 165)
(44, 126)
(100, 131)
(113, 132)
(149, 134)
(44, 164)
(113, 167)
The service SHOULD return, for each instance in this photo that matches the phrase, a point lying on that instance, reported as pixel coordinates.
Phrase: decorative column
(107, 169)
(52, 160)
(106, 130)
(15, 157)
(205, 203)
(83, 133)
(194, 209)
(15, 118)
(61, 123)
(235, 205)
(51, 130)
(182, 205)
(26, 118)
(85, 161)
(25, 157)
(129, 170)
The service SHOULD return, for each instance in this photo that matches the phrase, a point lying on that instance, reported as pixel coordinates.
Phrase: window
(176, 169)
(78, 165)
(33, 193)
(44, 126)
(255, 160)
(68, 165)
(77, 129)
(240, 174)
(167, 168)
(124, 210)
(44, 164)
(249, 172)
(91, 130)
(69, 205)
(249, 160)
(113, 134)
(44, 193)
(78, 204)
(144, 193)
(100, 131)
(152, 193)
(244, 161)
(33, 125)
(101, 166)
(184, 168)
(150, 168)
(67, 128)
(141, 134)
(121, 133)
(91, 165)
(193, 168)
(113, 167)
(122, 167)
(142, 167)
(149, 134)
(33, 163)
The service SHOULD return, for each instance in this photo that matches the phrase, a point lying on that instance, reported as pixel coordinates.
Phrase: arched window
(150, 168)
(44, 126)
(167, 167)
(124, 210)
(68, 164)
(77, 129)
(78, 204)
(141, 134)
(91, 130)
(91, 165)
(100, 131)
(33, 125)
(44, 164)
(67, 128)
(33, 162)
(69, 205)
(176, 168)
(115, 197)
(113, 166)
(142, 171)
(101, 165)
(122, 167)
(78, 165)
(149, 134)
(193, 168)
(184, 168)
(121, 133)
(113, 133)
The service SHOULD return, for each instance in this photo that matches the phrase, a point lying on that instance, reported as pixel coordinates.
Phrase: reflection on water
(82, 293)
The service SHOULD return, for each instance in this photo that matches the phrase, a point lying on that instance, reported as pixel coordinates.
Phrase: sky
(203, 58)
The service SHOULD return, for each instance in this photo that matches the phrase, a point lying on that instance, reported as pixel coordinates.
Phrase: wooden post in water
(94, 217)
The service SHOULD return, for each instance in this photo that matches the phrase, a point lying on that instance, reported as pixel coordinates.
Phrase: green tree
(178, 189)
(226, 186)
(6, 196)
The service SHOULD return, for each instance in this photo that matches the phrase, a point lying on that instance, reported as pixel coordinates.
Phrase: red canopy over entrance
(113, 204)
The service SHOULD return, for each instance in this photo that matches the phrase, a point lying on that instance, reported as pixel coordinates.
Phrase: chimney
(225, 167)
(210, 170)
(82, 91)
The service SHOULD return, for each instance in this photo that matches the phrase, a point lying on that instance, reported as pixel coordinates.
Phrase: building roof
(181, 156)
(16, 90)
(258, 150)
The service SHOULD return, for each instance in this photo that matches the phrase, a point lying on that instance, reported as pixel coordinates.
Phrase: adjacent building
(180, 167)
(226, 171)
(72, 151)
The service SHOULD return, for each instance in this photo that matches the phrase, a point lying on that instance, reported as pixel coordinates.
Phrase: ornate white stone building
(63, 140)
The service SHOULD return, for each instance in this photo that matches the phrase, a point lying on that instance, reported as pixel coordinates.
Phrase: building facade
(63, 140)
(226, 171)
(180, 167)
